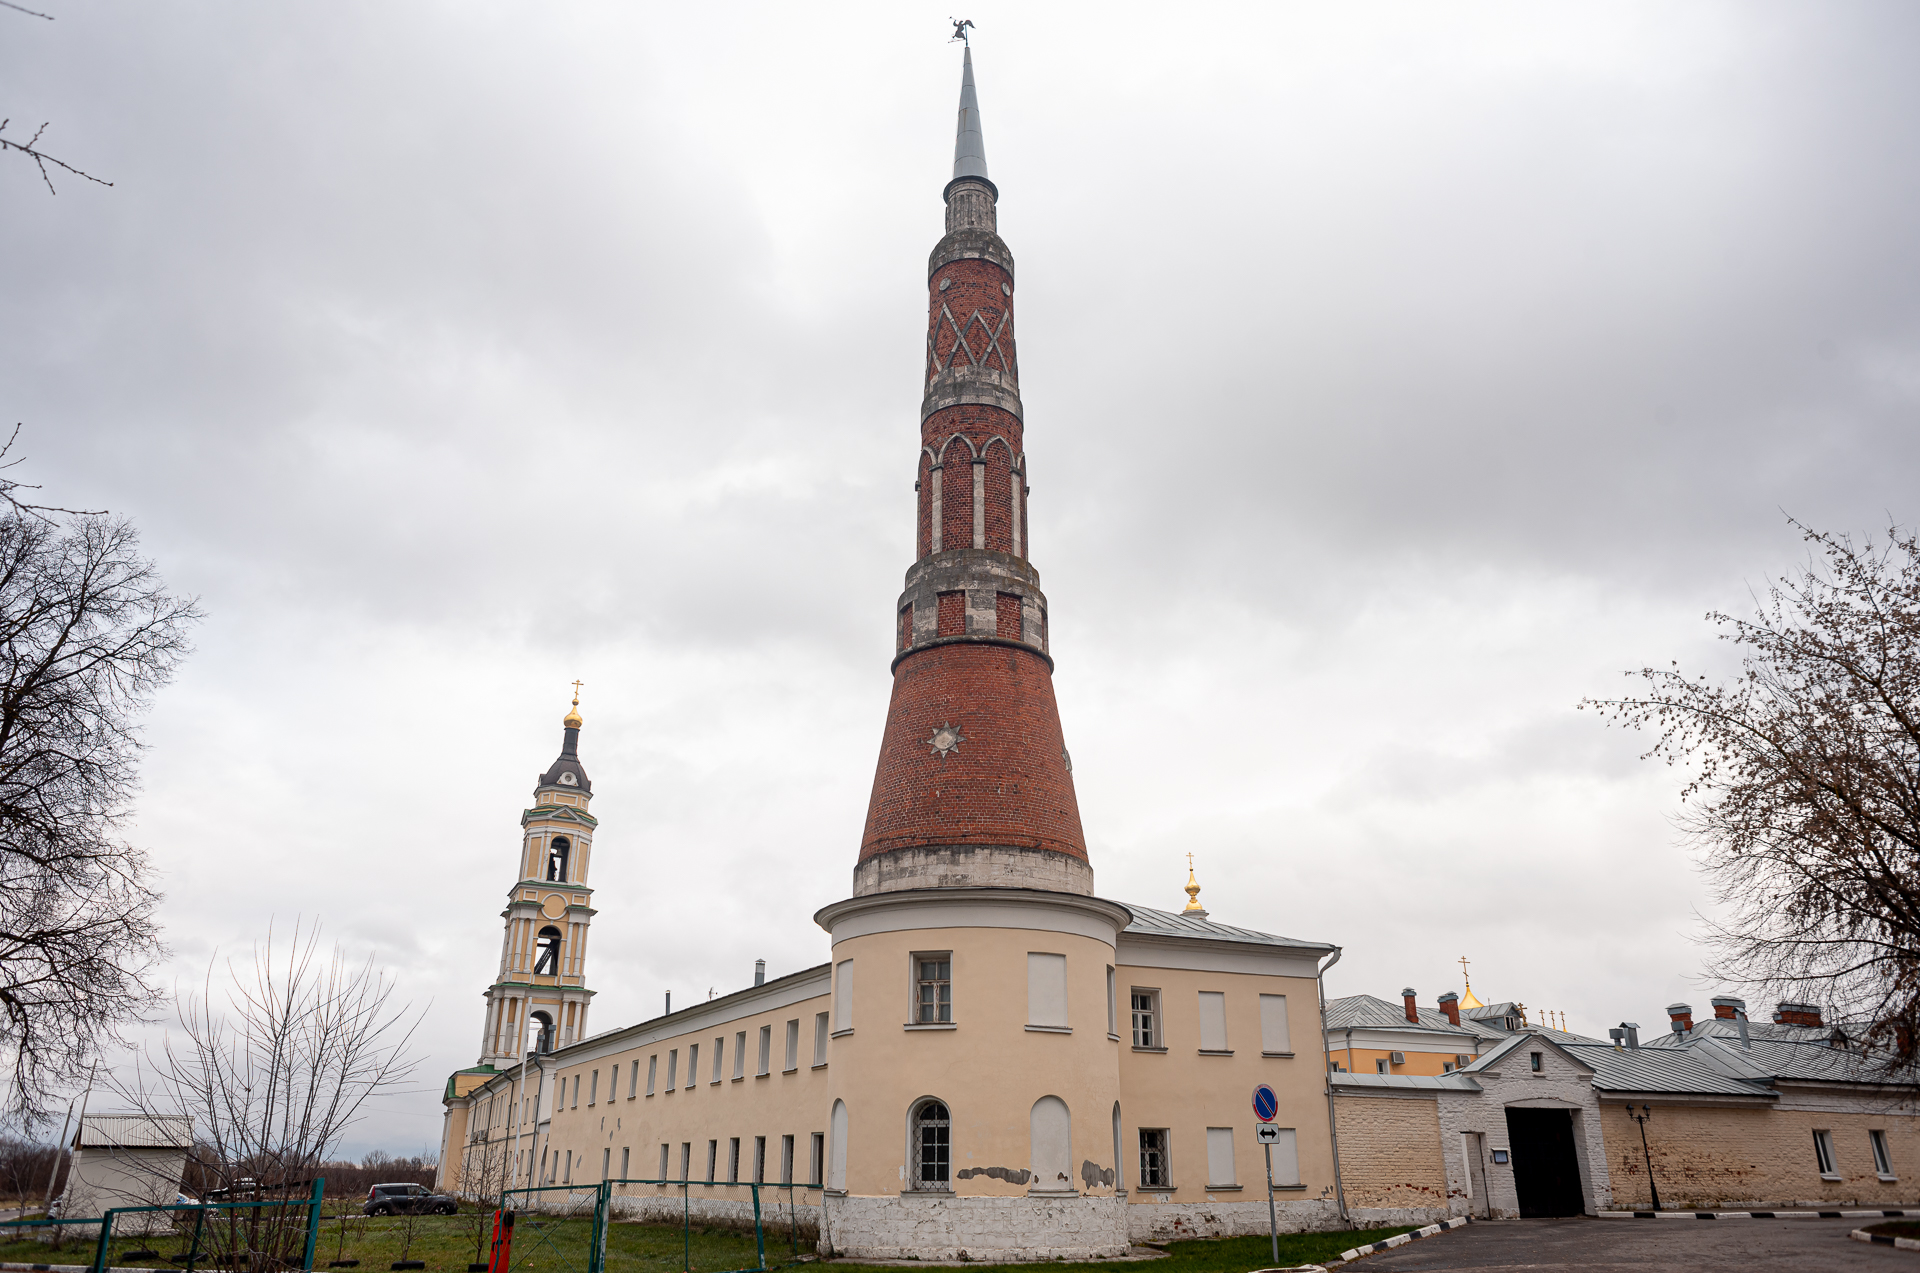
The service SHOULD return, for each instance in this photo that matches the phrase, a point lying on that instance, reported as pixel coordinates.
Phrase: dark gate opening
(1546, 1171)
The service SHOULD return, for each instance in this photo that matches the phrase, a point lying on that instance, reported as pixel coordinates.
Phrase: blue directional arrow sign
(1265, 1103)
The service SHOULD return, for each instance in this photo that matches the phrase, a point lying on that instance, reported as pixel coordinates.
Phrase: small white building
(127, 1160)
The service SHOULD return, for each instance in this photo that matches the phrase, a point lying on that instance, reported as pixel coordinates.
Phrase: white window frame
(916, 1183)
(1213, 1023)
(593, 1090)
(1276, 1031)
(843, 996)
(673, 1067)
(719, 1057)
(1150, 1179)
(1154, 1035)
(733, 1160)
(766, 1050)
(1220, 1153)
(1823, 1154)
(713, 1159)
(653, 1073)
(633, 1084)
(820, 1030)
(793, 1046)
(1048, 977)
(786, 1159)
(740, 1055)
(816, 1159)
(936, 1013)
(1113, 1005)
(1882, 1154)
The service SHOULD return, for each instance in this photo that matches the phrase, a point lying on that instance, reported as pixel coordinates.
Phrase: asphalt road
(1645, 1246)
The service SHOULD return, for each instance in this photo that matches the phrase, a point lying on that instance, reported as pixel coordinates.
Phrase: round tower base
(972, 866)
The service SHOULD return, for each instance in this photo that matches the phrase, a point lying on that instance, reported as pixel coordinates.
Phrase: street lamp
(1641, 1119)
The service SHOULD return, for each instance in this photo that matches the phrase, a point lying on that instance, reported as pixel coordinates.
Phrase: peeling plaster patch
(1012, 1175)
(1092, 1173)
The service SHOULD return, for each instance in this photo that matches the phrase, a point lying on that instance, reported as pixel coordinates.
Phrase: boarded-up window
(1047, 990)
(1273, 1024)
(1220, 1158)
(820, 1038)
(843, 995)
(1052, 1143)
(1213, 1021)
(1286, 1158)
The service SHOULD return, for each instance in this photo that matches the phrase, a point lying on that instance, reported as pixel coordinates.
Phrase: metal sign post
(1265, 1106)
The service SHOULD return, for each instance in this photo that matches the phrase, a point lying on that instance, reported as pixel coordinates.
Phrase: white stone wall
(1561, 1084)
(1173, 1221)
(936, 1227)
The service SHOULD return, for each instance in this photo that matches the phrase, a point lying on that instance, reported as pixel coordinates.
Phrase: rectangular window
(786, 1160)
(843, 995)
(740, 1055)
(932, 989)
(575, 1104)
(1823, 1153)
(1047, 990)
(1146, 1018)
(766, 1048)
(816, 1159)
(719, 1056)
(653, 1070)
(673, 1067)
(793, 1046)
(759, 1160)
(568, 1178)
(820, 1039)
(663, 1162)
(1155, 1173)
(1536, 1062)
(1882, 1160)
(633, 1081)
(1220, 1171)
(1286, 1158)
(1274, 1037)
(626, 1161)
(713, 1159)
(1446, 1067)
(1380, 1065)
(1113, 1007)
(1213, 1021)
(606, 1162)
(693, 1065)
(686, 1160)
(733, 1160)
(593, 1090)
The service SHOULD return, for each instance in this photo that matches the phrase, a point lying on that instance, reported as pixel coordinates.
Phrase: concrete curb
(1756, 1215)
(1904, 1244)
(1360, 1252)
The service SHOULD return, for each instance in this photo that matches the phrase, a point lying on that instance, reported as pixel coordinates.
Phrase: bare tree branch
(21, 8)
(41, 157)
(1804, 796)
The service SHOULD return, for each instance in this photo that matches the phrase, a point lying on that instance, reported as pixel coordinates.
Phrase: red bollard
(502, 1255)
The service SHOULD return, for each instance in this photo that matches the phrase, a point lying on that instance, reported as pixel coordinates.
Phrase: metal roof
(1361, 1012)
(1662, 1070)
(135, 1131)
(1156, 923)
(1454, 1082)
(969, 145)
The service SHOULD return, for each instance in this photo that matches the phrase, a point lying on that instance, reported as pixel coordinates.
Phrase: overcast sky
(1396, 375)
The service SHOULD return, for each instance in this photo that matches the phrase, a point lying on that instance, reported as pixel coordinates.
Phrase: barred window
(1154, 1172)
(932, 1146)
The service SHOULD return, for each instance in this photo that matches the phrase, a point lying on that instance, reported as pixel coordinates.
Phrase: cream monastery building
(991, 1058)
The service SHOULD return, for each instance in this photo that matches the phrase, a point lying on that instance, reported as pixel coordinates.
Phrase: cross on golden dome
(1193, 891)
(1467, 1001)
(572, 720)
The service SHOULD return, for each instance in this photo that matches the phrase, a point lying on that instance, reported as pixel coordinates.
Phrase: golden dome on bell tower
(572, 719)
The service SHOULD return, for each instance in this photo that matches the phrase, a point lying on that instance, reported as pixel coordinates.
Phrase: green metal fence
(245, 1235)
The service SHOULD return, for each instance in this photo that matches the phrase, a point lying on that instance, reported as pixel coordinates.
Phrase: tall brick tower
(974, 785)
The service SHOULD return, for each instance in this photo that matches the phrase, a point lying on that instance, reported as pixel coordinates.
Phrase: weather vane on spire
(960, 28)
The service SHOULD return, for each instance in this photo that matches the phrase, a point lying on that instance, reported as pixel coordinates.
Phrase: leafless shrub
(1805, 797)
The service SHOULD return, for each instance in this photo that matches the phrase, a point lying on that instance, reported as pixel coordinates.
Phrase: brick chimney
(1798, 1014)
(1681, 1015)
(1450, 1004)
(1413, 1013)
(1729, 1009)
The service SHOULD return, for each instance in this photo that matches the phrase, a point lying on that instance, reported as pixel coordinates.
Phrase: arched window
(547, 960)
(557, 859)
(543, 1032)
(931, 1153)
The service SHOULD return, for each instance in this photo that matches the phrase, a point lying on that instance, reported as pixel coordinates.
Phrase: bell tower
(543, 955)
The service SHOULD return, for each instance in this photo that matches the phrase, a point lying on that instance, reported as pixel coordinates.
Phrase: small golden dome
(572, 719)
(1193, 905)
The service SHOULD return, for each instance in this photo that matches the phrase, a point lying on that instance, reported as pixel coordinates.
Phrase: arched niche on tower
(559, 859)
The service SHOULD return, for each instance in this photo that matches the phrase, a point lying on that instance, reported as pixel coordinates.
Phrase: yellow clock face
(554, 907)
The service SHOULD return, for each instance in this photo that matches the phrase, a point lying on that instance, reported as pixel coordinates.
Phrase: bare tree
(1804, 799)
(88, 633)
(274, 1071)
(31, 147)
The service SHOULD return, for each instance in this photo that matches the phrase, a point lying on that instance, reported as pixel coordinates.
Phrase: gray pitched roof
(135, 1131)
(1362, 1012)
(1157, 923)
(1672, 1070)
(1458, 1081)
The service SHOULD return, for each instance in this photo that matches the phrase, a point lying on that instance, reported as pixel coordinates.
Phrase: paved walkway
(1644, 1246)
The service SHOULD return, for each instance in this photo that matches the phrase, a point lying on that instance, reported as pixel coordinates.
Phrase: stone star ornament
(945, 739)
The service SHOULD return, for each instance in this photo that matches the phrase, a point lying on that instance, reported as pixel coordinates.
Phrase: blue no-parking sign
(1265, 1103)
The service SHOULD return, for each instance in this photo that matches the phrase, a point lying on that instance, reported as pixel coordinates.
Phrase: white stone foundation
(937, 1227)
(1175, 1221)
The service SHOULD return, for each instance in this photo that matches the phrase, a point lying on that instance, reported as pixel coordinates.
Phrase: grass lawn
(447, 1243)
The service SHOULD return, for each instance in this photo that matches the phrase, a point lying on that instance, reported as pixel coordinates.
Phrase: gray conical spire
(969, 147)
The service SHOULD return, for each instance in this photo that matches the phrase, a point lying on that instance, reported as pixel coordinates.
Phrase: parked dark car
(387, 1200)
